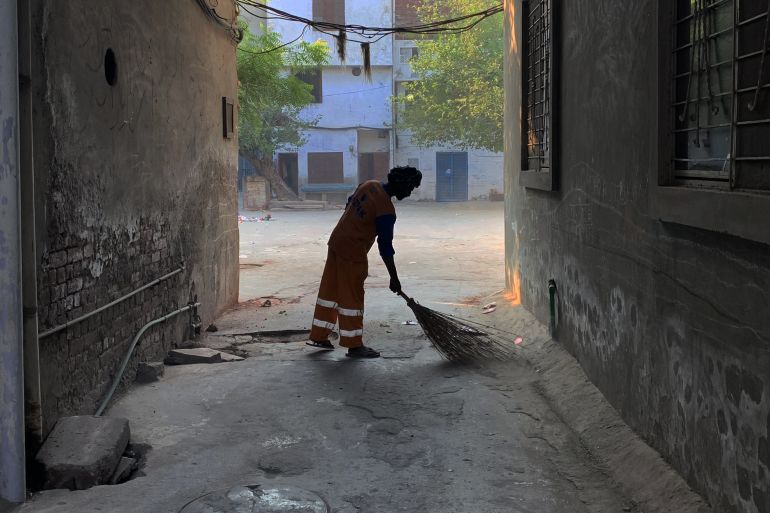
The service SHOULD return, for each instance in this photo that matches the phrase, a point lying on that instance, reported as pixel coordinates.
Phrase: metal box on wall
(255, 193)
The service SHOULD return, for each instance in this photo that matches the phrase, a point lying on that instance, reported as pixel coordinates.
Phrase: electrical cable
(367, 34)
(276, 47)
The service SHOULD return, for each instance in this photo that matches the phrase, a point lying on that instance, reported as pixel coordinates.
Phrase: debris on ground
(489, 308)
(267, 303)
(198, 355)
(212, 328)
(149, 372)
(409, 323)
(518, 340)
(83, 451)
(125, 468)
(254, 219)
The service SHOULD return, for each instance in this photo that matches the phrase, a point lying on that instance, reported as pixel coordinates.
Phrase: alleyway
(407, 432)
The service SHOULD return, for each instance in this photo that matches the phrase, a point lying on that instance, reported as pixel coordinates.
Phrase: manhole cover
(255, 499)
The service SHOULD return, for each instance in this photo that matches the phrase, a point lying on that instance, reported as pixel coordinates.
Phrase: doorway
(452, 176)
(373, 166)
(288, 169)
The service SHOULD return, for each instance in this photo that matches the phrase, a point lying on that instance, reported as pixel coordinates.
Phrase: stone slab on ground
(83, 451)
(149, 372)
(198, 355)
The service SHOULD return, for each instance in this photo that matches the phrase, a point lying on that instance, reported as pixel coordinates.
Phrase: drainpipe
(552, 291)
(29, 258)
(12, 482)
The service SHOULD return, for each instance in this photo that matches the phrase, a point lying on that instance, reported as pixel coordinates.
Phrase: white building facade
(353, 140)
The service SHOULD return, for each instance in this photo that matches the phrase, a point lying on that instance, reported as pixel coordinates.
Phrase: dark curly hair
(406, 175)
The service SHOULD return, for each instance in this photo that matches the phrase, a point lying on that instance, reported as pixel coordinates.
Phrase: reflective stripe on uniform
(352, 333)
(347, 312)
(323, 324)
(325, 303)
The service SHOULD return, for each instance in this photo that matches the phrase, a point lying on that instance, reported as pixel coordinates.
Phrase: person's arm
(385, 225)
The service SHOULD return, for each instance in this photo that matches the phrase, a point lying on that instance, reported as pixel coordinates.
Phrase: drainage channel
(255, 499)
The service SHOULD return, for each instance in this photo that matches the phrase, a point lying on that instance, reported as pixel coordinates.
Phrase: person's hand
(395, 285)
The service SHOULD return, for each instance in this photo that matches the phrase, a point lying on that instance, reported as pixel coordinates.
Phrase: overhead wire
(370, 34)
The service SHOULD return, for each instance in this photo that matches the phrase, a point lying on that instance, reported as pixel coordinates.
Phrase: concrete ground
(407, 432)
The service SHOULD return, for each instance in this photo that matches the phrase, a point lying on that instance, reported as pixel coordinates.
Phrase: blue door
(452, 176)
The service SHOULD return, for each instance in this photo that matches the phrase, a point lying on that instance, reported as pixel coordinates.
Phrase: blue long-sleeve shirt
(385, 225)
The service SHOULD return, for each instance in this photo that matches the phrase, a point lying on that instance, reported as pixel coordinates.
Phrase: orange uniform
(341, 293)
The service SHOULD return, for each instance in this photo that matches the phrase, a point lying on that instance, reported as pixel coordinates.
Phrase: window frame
(319, 14)
(538, 178)
(318, 90)
(717, 209)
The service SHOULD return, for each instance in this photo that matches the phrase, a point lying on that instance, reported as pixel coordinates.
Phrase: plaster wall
(131, 179)
(485, 168)
(352, 102)
(670, 322)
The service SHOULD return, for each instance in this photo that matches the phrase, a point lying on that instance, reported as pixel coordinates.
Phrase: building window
(330, 11)
(313, 77)
(408, 53)
(325, 167)
(539, 95)
(720, 95)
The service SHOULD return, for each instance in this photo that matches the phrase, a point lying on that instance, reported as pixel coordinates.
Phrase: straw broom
(457, 339)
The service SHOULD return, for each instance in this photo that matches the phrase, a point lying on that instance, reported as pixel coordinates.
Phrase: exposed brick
(69, 303)
(75, 285)
(88, 251)
(57, 259)
(161, 244)
(75, 255)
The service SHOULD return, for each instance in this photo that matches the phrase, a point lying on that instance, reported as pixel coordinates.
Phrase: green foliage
(270, 99)
(458, 99)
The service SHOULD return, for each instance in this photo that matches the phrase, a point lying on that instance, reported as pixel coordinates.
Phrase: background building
(353, 140)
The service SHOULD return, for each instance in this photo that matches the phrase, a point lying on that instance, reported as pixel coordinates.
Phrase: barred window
(538, 94)
(721, 94)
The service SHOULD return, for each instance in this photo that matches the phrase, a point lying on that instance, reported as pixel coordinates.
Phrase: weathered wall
(670, 322)
(485, 168)
(132, 179)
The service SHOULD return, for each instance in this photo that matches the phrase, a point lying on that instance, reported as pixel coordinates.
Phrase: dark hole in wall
(110, 67)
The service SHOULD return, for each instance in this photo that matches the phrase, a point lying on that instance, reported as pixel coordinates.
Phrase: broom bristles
(458, 341)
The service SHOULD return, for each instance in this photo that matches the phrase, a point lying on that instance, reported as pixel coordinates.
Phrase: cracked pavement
(407, 432)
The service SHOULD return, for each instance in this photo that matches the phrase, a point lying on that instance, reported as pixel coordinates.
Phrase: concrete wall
(670, 322)
(485, 169)
(131, 179)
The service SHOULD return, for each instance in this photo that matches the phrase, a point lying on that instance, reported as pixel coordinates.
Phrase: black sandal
(362, 352)
(321, 344)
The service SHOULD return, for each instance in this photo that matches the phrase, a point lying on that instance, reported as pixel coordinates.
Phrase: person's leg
(325, 315)
(351, 277)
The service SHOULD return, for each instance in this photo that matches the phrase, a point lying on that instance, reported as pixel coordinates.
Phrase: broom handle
(403, 295)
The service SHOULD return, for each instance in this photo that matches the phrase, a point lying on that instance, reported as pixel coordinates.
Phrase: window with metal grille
(720, 112)
(539, 95)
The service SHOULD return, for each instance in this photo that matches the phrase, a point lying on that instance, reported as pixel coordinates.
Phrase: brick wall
(131, 178)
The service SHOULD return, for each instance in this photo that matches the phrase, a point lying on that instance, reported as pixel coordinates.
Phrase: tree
(458, 97)
(271, 98)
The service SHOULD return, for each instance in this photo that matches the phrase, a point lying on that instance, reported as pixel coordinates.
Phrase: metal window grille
(721, 94)
(538, 90)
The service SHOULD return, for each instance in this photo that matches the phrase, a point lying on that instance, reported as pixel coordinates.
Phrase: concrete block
(198, 355)
(83, 451)
(123, 471)
(149, 372)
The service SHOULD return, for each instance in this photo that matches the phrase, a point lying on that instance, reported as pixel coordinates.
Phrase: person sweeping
(369, 214)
